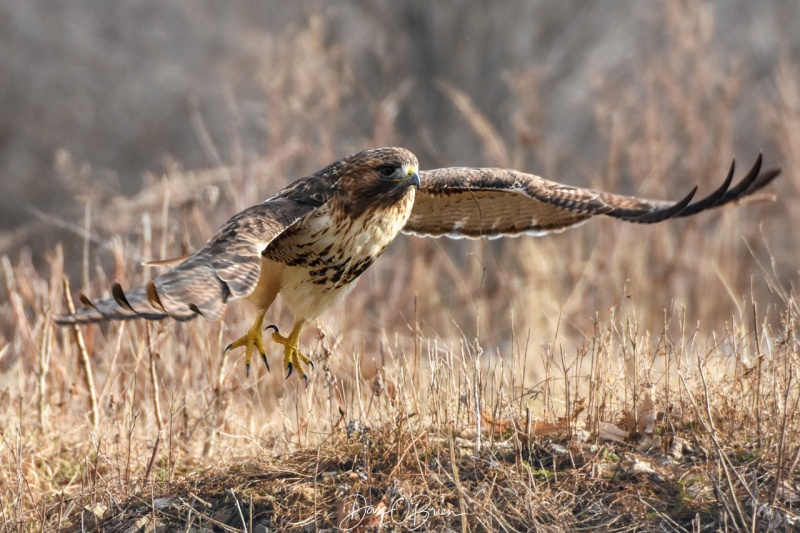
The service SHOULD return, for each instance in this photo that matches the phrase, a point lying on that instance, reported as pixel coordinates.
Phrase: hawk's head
(378, 178)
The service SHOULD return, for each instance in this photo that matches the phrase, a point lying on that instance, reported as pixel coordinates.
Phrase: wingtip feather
(153, 298)
(120, 298)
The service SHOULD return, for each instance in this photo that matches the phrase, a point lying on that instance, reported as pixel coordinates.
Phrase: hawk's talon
(272, 327)
(251, 340)
(293, 358)
(264, 358)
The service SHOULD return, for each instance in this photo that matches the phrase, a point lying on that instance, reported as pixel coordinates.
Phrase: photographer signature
(411, 512)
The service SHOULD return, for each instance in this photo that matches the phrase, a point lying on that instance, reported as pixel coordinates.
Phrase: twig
(477, 398)
(86, 364)
(152, 456)
(128, 460)
(759, 360)
(782, 441)
(201, 500)
(457, 482)
(45, 350)
(154, 376)
(316, 477)
(238, 508)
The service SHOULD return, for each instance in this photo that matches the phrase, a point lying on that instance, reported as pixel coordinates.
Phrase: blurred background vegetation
(125, 88)
(132, 131)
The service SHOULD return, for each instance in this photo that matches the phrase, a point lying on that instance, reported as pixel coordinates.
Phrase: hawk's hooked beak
(412, 177)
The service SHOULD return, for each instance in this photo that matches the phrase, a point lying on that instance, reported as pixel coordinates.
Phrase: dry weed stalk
(154, 375)
(86, 364)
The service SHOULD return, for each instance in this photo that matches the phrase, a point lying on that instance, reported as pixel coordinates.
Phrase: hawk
(312, 240)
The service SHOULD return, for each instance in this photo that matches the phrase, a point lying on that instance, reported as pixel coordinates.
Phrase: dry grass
(616, 376)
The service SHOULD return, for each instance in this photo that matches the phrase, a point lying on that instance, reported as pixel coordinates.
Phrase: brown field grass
(614, 377)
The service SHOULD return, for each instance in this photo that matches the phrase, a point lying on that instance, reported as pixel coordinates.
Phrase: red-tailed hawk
(312, 240)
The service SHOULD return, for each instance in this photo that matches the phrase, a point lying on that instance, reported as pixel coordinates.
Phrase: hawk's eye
(386, 171)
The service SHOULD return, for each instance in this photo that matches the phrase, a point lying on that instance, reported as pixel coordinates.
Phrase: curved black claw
(272, 327)
(228, 347)
(264, 358)
(305, 378)
(310, 362)
(290, 367)
(247, 370)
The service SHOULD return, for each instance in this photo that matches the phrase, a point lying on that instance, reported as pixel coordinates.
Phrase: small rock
(92, 514)
(591, 449)
(686, 448)
(666, 460)
(355, 426)
(223, 515)
(557, 449)
(161, 503)
(636, 467)
(329, 477)
(674, 446)
(582, 435)
(139, 525)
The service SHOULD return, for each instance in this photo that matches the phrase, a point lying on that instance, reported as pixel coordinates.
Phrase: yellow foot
(251, 339)
(293, 358)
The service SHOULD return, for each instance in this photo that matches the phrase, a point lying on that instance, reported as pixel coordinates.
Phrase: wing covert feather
(488, 202)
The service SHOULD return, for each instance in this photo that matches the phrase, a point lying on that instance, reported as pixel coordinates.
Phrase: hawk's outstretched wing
(489, 202)
(226, 268)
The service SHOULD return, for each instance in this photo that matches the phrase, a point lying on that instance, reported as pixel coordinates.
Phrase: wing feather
(227, 268)
(489, 202)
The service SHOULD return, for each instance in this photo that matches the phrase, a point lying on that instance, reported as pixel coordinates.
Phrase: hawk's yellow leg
(251, 339)
(293, 358)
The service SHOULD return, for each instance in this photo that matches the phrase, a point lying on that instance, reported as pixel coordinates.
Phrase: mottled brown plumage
(313, 239)
(492, 202)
